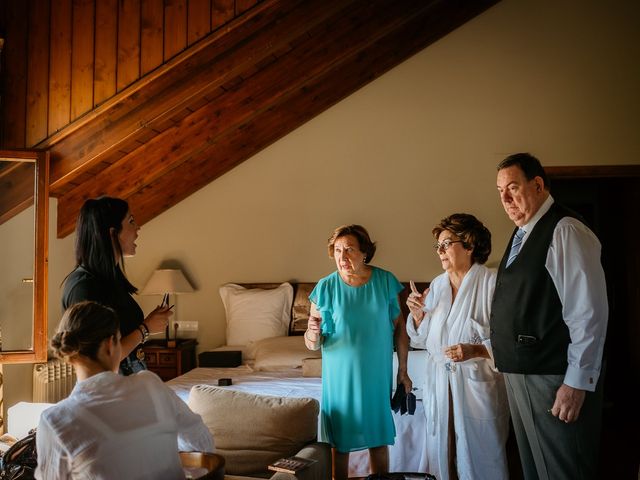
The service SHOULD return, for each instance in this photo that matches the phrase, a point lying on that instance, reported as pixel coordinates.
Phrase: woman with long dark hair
(105, 233)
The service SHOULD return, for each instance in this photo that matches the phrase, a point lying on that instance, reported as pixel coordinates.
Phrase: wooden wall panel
(128, 69)
(65, 57)
(152, 35)
(69, 56)
(205, 70)
(60, 65)
(198, 20)
(16, 14)
(82, 56)
(175, 27)
(37, 72)
(222, 11)
(106, 45)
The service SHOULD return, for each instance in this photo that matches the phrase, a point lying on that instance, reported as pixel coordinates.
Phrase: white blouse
(118, 427)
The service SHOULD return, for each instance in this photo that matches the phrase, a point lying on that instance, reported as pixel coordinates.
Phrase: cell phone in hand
(165, 300)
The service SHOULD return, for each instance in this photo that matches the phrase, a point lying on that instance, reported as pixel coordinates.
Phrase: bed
(266, 322)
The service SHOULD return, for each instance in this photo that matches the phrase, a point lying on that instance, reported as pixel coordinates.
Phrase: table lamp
(172, 282)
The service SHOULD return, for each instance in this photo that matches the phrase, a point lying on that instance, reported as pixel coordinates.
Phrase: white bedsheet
(407, 455)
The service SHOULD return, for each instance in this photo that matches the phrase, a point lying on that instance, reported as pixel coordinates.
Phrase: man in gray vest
(548, 326)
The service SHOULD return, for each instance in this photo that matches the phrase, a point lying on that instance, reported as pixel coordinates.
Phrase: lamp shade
(167, 281)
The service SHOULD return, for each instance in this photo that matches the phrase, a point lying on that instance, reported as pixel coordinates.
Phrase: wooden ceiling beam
(250, 39)
(150, 85)
(314, 97)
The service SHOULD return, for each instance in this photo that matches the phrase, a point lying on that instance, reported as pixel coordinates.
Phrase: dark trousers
(550, 448)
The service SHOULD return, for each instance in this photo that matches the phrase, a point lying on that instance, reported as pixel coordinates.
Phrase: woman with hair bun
(112, 426)
(464, 396)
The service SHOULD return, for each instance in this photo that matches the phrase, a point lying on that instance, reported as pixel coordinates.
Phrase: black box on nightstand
(223, 358)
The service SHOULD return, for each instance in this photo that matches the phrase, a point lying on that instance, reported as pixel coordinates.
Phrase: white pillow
(254, 314)
(282, 353)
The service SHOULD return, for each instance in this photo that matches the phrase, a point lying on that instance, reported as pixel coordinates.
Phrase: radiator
(52, 381)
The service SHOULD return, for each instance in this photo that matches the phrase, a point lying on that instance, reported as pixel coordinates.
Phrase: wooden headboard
(301, 305)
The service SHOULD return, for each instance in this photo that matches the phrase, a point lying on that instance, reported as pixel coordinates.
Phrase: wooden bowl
(202, 466)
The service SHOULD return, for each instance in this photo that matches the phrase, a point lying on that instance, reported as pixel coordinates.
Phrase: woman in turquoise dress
(355, 318)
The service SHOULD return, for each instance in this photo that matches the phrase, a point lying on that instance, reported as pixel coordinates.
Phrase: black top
(82, 285)
(528, 332)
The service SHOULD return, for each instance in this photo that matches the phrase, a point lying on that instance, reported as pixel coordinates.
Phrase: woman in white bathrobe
(464, 397)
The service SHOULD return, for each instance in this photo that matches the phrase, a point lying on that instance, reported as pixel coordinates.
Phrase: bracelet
(144, 331)
(145, 328)
(307, 338)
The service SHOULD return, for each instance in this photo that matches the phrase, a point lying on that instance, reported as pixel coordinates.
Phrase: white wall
(557, 78)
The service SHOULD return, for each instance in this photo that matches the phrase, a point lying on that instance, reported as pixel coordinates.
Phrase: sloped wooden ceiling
(198, 87)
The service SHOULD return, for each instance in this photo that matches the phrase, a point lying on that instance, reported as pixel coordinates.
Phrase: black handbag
(403, 402)
(20, 461)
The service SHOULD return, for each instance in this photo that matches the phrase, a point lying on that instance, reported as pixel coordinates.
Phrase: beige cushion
(255, 313)
(312, 367)
(282, 353)
(250, 430)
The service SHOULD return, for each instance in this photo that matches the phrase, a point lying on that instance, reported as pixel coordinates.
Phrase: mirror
(24, 212)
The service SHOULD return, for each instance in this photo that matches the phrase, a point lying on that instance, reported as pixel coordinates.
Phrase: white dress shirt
(573, 262)
(115, 427)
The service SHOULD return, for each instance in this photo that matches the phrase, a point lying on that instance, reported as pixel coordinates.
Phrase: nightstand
(167, 362)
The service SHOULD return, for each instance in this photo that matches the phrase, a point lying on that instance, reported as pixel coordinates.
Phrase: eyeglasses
(445, 245)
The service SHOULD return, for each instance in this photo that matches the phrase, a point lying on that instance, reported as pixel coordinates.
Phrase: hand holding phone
(165, 302)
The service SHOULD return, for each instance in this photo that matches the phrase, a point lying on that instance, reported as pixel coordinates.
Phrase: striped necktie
(515, 245)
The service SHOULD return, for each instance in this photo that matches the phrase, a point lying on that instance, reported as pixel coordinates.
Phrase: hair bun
(65, 343)
(70, 340)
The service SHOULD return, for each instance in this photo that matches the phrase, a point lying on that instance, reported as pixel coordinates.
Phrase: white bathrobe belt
(432, 387)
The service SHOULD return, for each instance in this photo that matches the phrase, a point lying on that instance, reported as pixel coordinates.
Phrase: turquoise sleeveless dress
(357, 325)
